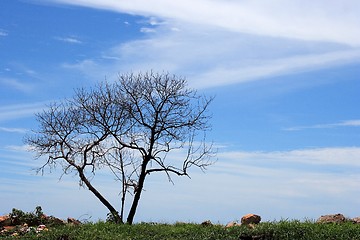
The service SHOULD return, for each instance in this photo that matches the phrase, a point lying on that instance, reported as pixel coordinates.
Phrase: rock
(206, 223)
(332, 218)
(356, 220)
(5, 221)
(24, 228)
(55, 221)
(250, 219)
(232, 224)
(73, 221)
(13, 225)
(8, 228)
(41, 227)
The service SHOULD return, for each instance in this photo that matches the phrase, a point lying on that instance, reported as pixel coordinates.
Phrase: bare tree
(128, 127)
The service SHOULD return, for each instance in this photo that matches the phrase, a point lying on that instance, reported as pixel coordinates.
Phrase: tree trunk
(107, 204)
(137, 195)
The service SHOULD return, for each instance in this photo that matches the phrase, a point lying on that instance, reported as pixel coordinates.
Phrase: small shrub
(19, 217)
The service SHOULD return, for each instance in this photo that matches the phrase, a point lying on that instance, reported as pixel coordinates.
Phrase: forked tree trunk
(138, 192)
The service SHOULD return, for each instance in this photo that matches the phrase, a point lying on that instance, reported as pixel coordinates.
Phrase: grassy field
(294, 230)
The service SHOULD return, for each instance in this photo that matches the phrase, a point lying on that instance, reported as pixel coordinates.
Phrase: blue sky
(286, 120)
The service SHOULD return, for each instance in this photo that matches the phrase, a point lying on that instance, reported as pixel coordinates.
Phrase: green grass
(283, 230)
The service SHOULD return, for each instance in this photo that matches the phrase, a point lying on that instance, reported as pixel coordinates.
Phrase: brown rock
(232, 224)
(356, 220)
(9, 228)
(250, 219)
(5, 220)
(332, 218)
(55, 221)
(41, 227)
(73, 221)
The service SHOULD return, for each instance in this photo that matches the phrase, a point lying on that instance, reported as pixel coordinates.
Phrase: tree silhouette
(128, 127)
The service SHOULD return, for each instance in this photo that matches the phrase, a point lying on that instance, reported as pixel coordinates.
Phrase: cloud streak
(277, 67)
(18, 111)
(348, 123)
(221, 43)
(71, 40)
(345, 157)
(3, 33)
(16, 84)
(211, 58)
(320, 21)
(13, 130)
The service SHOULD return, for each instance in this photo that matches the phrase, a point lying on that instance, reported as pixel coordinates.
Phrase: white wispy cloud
(209, 57)
(320, 21)
(228, 42)
(347, 123)
(13, 130)
(342, 156)
(71, 40)
(16, 84)
(19, 148)
(147, 30)
(3, 33)
(21, 69)
(18, 111)
(275, 67)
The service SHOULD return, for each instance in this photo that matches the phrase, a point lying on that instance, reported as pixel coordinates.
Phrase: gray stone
(332, 218)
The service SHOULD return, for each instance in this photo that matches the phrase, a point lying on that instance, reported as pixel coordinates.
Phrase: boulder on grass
(73, 221)
(232, 224)
(250, 219)
(332, 218)
(356, 220)
(5, 221)
(54, 221)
